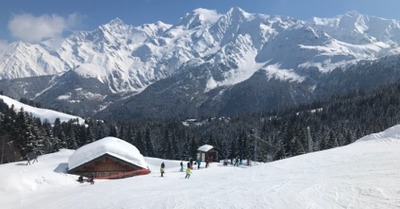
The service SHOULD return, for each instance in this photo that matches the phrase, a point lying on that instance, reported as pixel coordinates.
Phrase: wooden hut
(208, 152)
(107, 158)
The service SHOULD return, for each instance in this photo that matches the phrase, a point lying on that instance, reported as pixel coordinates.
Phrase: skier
(188, 172)
(162, 169)
(198, 164)
(181, 166)
(208, 161)
(237, 161)
(191, 163)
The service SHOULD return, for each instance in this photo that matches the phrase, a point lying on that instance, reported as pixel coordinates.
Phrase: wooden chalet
(208, 152)
(108, 158)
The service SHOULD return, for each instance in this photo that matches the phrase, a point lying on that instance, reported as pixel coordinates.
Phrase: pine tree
(298, 143)
(113, 130)
(139, 143)
(70, 136)
(89, 135)
(193, 148)
(233, 151)
(24, 137)
(332, 141)
(169, 150)
(149, 144)
(288, 139)
(46, 134)
(176, 152)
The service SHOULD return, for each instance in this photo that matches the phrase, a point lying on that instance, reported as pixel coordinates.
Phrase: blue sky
(35, 20)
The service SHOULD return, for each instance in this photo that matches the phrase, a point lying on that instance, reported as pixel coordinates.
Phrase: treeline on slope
(266, 136)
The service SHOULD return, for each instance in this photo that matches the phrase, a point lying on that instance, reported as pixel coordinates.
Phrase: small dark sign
(31, 156)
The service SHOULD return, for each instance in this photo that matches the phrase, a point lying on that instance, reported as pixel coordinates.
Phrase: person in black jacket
(162, 169)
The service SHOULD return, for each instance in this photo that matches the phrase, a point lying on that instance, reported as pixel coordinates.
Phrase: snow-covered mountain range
(214, 53)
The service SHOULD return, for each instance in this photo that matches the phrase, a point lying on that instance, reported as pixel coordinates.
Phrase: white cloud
(33, 29)
(3, 45)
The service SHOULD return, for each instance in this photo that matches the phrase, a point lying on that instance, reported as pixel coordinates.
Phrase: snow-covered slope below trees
(43, 114)
(365, 174)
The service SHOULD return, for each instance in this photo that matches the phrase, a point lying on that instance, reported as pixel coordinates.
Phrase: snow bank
(17, 179)
(109, 145)
(390, 134)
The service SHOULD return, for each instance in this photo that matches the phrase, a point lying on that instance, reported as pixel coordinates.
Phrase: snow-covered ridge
(43, 114)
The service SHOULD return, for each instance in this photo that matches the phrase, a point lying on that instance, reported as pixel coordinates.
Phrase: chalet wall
(212, 155)
(104, 166)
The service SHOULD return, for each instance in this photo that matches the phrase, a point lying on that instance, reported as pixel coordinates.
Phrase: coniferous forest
(264, 136)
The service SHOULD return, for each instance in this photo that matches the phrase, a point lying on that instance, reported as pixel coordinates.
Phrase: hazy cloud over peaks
(34, 29)
(3, 45)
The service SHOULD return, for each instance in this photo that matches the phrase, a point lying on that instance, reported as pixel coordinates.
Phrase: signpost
(31, 156)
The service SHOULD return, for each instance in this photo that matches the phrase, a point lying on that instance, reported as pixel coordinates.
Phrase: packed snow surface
(108, 145)
(43, 114)
(365, 174)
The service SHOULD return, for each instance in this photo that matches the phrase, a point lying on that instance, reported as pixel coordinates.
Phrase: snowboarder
(188, 172)
(181, 166)
(162, 169)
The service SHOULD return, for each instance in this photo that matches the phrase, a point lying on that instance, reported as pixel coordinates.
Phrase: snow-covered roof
(110, 145)
(205, 148)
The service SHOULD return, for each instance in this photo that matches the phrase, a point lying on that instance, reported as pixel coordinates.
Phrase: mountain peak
(115, 26)
(352, 13)
(237, 11)
(154, 29)
(198, 17)
(116, 21)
